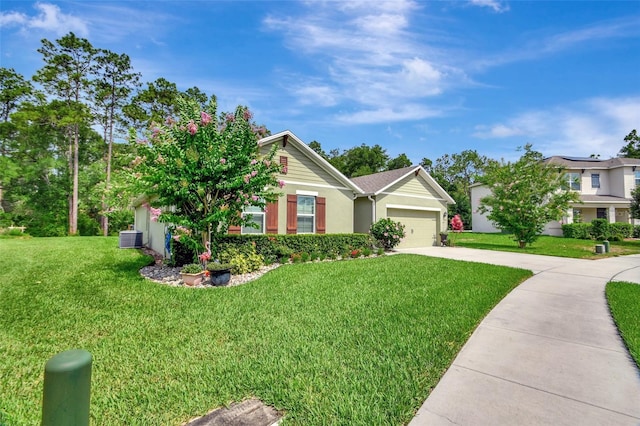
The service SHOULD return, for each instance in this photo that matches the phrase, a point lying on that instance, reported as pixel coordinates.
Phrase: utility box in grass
(130, 239)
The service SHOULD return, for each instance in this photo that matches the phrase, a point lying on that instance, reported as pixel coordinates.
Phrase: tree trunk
(73, 229)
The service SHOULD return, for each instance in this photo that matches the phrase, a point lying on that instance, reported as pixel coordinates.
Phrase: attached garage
(421, 226)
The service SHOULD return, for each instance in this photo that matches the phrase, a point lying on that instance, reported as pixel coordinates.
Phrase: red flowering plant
(208, 168)
(456, 226)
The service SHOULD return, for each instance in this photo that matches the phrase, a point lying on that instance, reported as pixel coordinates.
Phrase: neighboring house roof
(588, 199)
(592, 163)
(314, 156)
(378, 182)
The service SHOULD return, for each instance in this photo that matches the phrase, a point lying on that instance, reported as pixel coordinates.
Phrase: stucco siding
(362, 212)
(479, 221)
(339, 207)
(153, 233)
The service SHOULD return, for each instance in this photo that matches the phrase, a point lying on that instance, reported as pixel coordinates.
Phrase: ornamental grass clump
(388, 233)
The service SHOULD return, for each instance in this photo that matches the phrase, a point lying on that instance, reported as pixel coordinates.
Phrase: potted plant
(443, 238)
(192, 274)
(220, 273)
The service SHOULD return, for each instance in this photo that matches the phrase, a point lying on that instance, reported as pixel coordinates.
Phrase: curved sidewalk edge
(548, 354)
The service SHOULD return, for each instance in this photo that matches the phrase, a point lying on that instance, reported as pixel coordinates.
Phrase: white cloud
(316, 95)
(50, 18)
(496, 131)
(594, 126)
(497, 6)
(366, 54)
(389, 114)
(12, 18)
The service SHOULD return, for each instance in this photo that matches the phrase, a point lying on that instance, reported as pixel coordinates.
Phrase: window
(601, 213)
(595, 180)
(573, 180)
(637, 178)
(257, 218)
(306, 214)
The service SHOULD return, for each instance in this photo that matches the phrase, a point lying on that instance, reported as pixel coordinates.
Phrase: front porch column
(569, 217)
(612, 214)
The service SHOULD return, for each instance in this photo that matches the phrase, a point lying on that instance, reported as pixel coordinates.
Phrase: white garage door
(419, 225)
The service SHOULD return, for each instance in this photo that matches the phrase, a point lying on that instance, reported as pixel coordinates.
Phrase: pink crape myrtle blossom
(205, 118)
(281, 183)
(192, 127)
(223, 161)
(154, 213)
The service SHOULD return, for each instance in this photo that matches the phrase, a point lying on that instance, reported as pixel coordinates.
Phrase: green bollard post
(606, 246)
(67, 389)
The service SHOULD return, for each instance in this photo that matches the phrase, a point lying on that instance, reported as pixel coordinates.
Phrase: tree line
(64, 166)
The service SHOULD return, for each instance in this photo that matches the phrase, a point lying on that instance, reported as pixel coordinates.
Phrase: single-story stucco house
(317, 198)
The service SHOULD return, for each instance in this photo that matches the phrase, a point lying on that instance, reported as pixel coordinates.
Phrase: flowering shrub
(388, 233)
(208, 168)
(456, 224)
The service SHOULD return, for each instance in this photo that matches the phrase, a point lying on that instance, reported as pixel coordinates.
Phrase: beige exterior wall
(412, 192)
(153, 233)
(479, 221)
(363, 215)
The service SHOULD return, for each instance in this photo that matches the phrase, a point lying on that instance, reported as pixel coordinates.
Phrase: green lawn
(545, 245)
(624, 300)
(354, 342)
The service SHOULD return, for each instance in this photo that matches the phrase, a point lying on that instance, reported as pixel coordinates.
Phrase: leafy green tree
(208, 168)
(525, 195)
(315, 145)
(635, 202)
(360, 161)
(456, 173)
(14, 89)
(111, 92)
(399, 162)
(153, 104)
(69, 67)
(632, 148)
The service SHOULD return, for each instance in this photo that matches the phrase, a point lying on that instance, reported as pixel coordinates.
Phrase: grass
(354, 342)
(624, 300)
(545, 245)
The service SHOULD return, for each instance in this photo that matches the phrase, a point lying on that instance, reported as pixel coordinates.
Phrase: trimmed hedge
(275, 247)
(600, 229)
(580, 231)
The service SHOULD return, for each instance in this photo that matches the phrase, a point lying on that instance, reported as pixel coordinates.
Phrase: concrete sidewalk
(547, 354)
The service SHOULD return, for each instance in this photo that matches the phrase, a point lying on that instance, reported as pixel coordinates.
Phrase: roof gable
(289, 138)
(379, 182)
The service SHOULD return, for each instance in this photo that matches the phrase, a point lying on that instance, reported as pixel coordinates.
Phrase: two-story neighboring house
(604, 185)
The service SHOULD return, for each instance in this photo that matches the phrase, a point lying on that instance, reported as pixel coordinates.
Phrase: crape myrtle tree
(201, 170)
(525, 195)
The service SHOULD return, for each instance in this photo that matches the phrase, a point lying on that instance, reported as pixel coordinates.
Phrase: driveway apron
(548, 354)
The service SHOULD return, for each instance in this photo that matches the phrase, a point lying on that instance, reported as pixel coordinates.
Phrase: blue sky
(425, 78)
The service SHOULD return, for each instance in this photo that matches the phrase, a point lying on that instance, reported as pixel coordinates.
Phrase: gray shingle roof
(592, 163)
(587, 198)
(377, 181)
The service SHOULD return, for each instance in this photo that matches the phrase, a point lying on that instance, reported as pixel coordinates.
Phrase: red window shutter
(321, 223)
(292, 214)
(235, 229)
(272, 217)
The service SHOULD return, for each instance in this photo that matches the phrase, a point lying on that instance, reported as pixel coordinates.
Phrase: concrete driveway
(548, 354)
